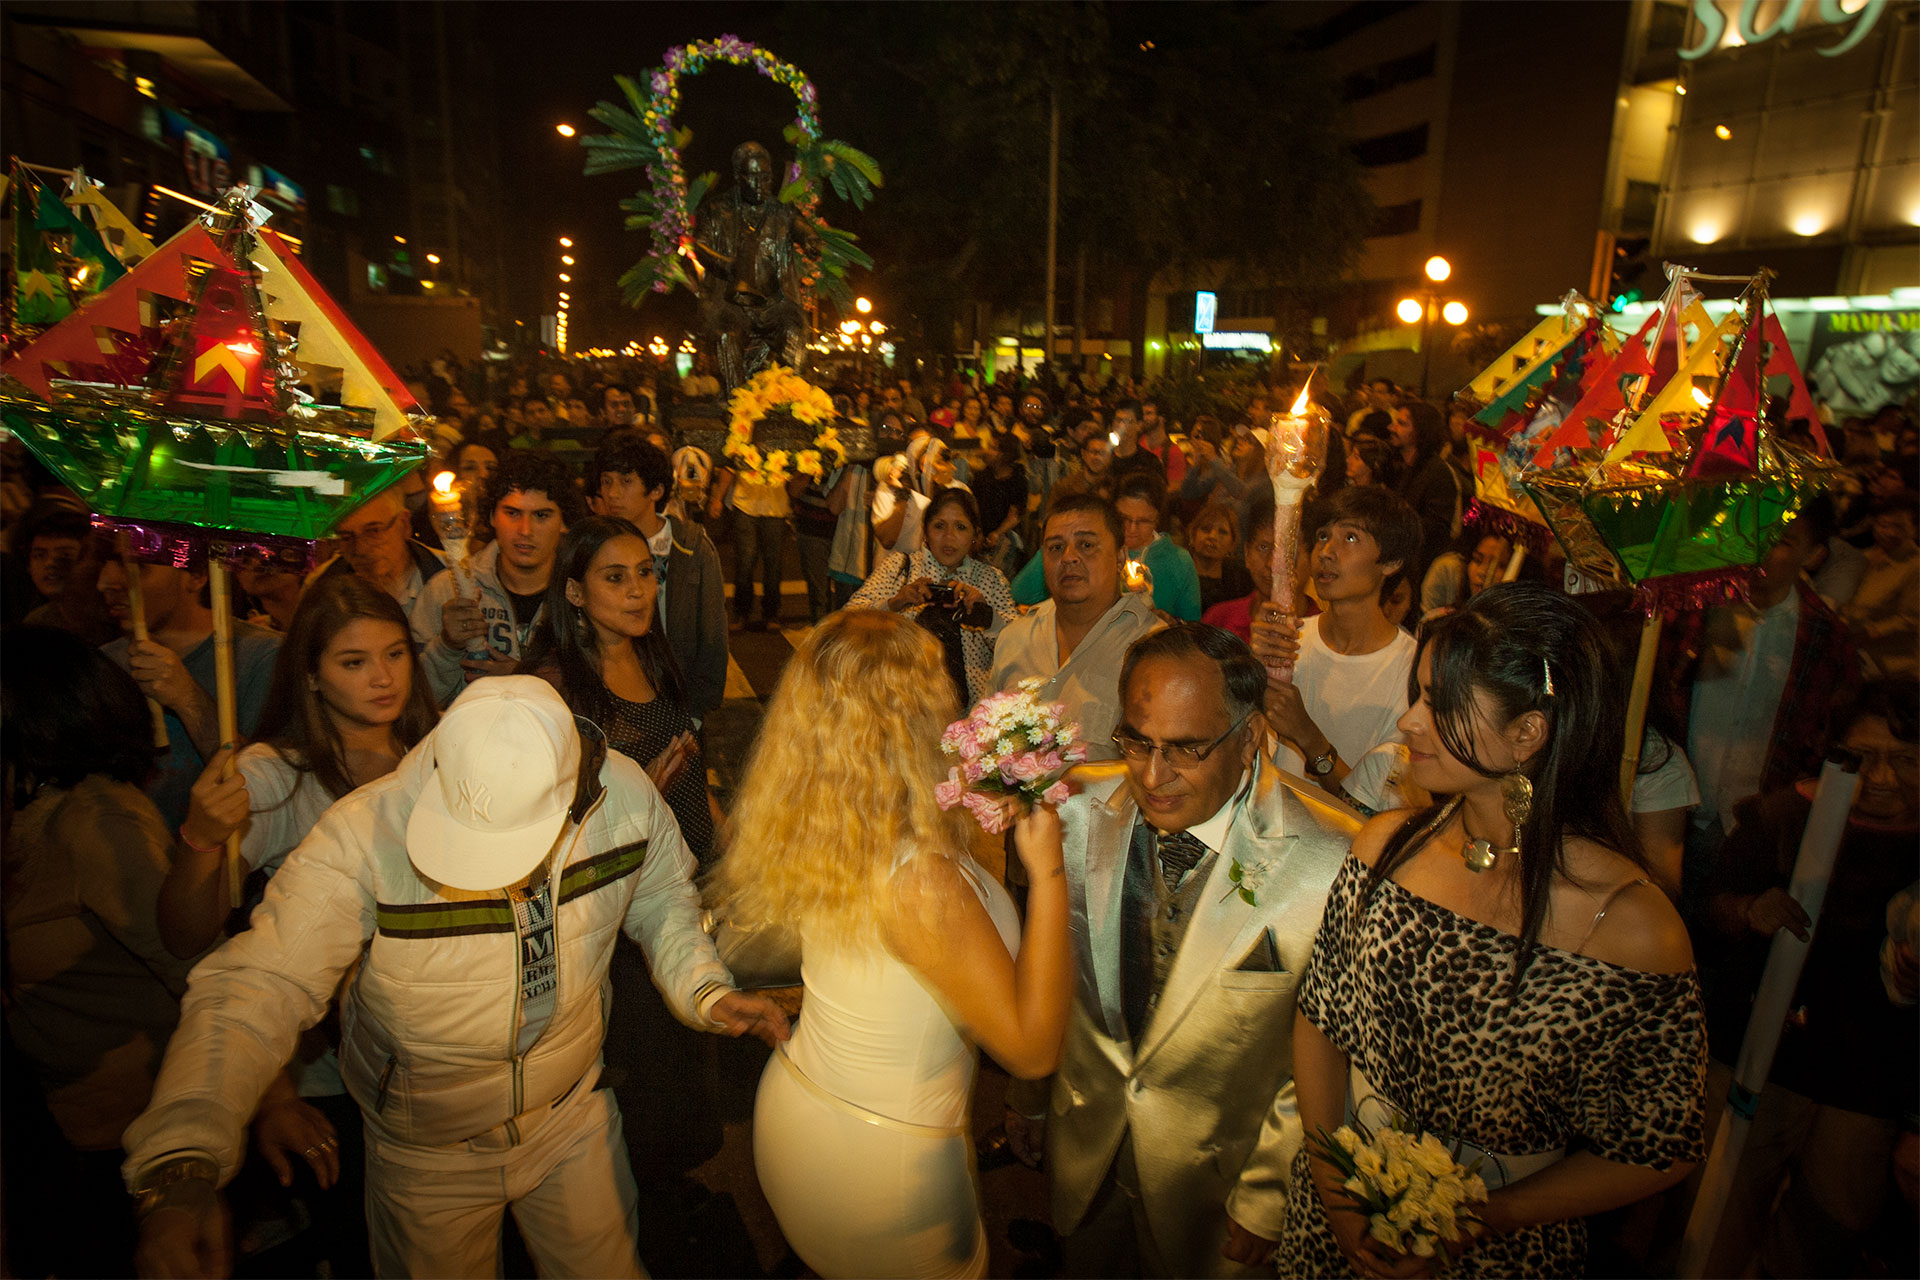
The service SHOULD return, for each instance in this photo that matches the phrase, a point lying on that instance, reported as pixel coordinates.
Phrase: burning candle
(1137, 576)
(448, 509)
(449, 512)
(1296, 450)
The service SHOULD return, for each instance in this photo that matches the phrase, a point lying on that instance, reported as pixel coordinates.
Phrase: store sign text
(1713, 23)
(1237, 341)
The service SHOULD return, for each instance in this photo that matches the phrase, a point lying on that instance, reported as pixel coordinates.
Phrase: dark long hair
(1508, 643)
(67, 711)
(565, 639)
(295, 721)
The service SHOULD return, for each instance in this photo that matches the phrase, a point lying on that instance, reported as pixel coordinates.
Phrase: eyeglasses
(348, 537)
(1178, 755)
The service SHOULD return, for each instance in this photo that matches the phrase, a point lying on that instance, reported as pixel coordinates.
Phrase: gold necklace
(1516, 798)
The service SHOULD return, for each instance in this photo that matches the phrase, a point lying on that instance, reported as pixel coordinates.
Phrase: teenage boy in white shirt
(1337, 718)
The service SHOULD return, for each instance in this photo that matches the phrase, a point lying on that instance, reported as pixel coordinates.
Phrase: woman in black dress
(599, 641)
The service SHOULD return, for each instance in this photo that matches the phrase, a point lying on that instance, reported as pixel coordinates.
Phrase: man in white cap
(479, 889)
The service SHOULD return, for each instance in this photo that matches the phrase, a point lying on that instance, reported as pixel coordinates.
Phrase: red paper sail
(113, 338)
(1799, 403)
(1729, 439)
(220, 355)
(1606, 395)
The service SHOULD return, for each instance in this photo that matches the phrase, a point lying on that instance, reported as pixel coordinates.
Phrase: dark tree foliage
(1190, 134)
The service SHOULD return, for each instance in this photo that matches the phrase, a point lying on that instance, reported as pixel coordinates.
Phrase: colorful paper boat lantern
(1677, 493)
(173, 399)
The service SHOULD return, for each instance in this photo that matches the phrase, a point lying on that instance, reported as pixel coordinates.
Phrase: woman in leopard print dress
(1542, 1009)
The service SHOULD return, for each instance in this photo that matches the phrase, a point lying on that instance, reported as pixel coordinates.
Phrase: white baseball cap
(506, 764)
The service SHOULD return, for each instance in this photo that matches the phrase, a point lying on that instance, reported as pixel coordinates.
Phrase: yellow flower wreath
(773, 390)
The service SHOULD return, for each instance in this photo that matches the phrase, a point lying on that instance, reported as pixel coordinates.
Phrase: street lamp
(1422, 307)
(564, 130)
(566, 242)
(862, 305)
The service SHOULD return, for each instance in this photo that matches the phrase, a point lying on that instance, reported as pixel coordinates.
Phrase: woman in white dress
(912, 956)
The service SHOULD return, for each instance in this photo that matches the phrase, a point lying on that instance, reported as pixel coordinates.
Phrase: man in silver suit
(1198, 873)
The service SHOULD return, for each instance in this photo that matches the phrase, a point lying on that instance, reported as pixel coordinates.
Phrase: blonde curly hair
(841, 780)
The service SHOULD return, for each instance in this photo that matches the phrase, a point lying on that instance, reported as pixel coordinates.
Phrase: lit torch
(1296, 450)
(451, 523)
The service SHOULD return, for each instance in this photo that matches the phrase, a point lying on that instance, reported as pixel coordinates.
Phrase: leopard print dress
(1586, 1055)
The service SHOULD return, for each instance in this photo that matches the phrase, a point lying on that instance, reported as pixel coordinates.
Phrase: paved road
(710, 1241)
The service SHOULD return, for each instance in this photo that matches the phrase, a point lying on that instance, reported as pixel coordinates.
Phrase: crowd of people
(1371, 853)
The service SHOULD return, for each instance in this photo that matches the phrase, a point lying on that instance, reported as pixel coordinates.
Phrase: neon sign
(1713, 23)
(1205, 306)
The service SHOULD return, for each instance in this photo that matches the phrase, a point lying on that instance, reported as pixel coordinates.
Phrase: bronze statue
(750, 292)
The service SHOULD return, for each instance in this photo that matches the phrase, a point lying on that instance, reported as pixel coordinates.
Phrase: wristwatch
(151, 1188)
(1322, 765)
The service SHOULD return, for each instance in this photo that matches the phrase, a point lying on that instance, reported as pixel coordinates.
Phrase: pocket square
(1262, 957)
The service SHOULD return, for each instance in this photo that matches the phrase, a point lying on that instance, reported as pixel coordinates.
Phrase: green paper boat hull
(139, 465)
(1634, 532)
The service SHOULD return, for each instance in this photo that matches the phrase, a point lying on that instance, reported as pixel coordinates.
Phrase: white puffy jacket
(430, 1019)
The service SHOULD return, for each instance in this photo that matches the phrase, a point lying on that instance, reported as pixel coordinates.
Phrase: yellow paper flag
(121, 237)
(321, 344)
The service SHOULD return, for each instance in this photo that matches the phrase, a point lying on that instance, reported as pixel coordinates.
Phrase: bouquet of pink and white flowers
(1011, 744)
(1413, 1193)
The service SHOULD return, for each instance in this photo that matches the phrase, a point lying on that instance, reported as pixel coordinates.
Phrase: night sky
(555, 61)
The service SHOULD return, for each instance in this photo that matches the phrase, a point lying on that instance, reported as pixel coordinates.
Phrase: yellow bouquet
(1406, 1183)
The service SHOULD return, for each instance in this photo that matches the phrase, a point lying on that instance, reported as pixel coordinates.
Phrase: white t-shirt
(1357, 700)
(1736, 698)
(284, 803)
(884, 502)
(1671, 786)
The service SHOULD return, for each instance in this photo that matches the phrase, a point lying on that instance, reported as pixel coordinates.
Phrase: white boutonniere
(1250, 878)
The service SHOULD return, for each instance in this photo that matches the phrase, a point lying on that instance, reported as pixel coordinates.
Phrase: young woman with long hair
(600, 643)
(911, 954)
(346, 702)
(1498, 968)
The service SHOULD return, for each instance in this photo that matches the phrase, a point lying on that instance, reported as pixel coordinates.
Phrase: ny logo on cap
(475, 799)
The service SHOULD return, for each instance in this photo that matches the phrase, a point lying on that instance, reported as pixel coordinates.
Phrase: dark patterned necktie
(1179, 854)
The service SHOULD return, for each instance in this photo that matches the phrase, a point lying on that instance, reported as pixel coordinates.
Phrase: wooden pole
(225, 700)
(1637, 705)
(1812, 870)
(137, 606)
(1514, 561)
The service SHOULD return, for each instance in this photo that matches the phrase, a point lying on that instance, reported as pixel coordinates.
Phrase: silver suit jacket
(1208, 1091)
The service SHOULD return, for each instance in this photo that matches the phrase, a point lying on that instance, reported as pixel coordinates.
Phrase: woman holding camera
(948, 592)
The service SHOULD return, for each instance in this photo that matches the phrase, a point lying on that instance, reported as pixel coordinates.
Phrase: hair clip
(1546, 673)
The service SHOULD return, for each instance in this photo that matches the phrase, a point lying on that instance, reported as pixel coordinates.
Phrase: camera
(943, 595)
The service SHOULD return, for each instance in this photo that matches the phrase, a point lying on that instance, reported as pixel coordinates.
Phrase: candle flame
(443, 483)
(1701, 398)
(1300, 405)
